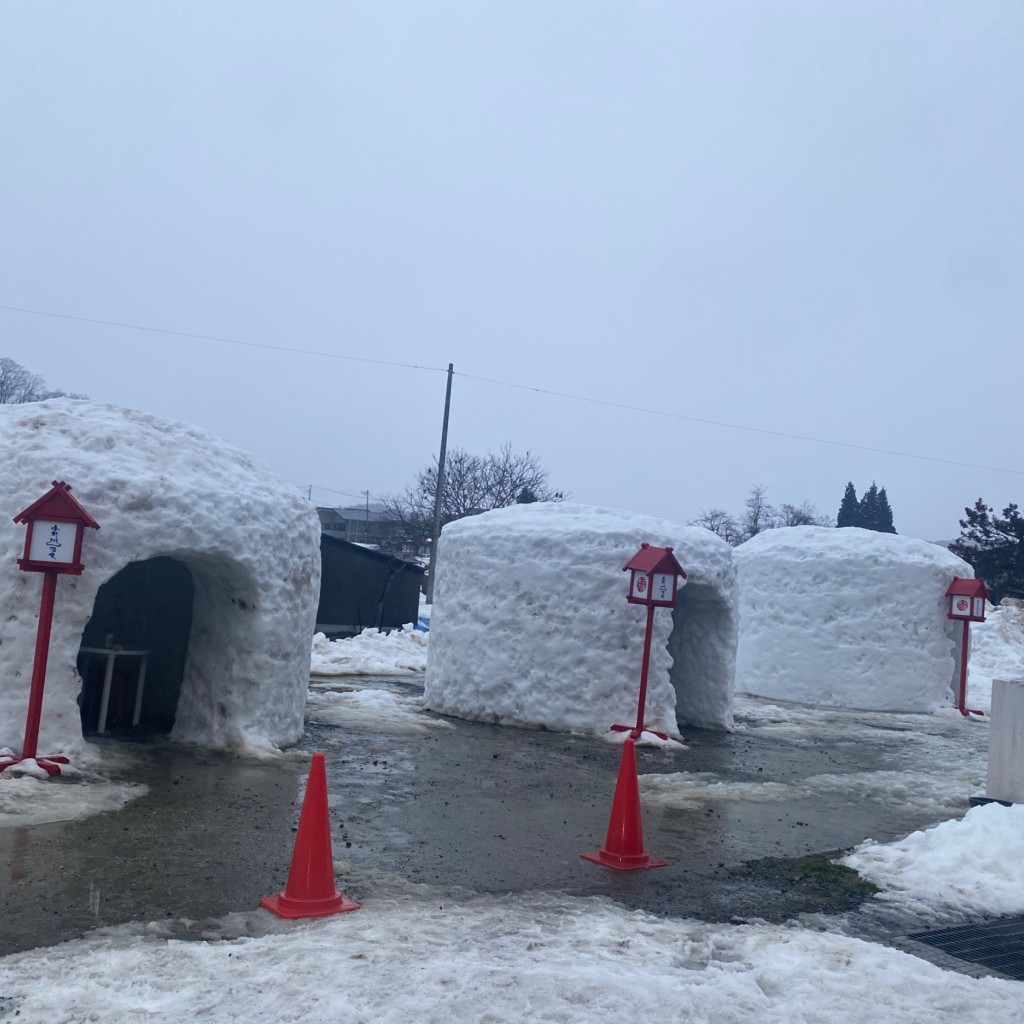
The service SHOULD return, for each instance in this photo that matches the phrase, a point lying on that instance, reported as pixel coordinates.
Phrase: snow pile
(974, 865)
(996, 650)
(373, 653)
(542, 958)
(846, 618)
(156, 488)
(531, 626)
(374, 711)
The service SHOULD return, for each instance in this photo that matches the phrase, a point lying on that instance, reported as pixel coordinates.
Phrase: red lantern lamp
(966, 604)
(654, 577)
(55, 523)
(967, 600)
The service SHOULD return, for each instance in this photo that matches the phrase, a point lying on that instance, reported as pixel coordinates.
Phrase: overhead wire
(522, 387)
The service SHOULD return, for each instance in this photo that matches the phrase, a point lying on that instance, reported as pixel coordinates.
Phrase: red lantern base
(635, 732)
(50, 765)
(970, 711)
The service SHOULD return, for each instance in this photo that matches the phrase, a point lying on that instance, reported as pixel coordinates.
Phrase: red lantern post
(654, 580)
(967, 604)
(53, 546)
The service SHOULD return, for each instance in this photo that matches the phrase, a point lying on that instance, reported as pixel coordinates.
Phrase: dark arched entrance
(146, 607)
(703, 648)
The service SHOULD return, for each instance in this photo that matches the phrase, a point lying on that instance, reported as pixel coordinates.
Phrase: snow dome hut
(205, 570)
(847, 618)
(531, 627)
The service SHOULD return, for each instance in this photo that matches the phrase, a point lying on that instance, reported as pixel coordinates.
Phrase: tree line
(18, 385)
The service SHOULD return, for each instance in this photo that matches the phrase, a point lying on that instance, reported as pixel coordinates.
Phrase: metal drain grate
(998, 946)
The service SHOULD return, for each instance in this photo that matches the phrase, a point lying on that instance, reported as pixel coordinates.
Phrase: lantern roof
(961, 587)
(57, 503)
(651, 559)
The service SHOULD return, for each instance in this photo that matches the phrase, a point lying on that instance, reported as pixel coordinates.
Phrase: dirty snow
(374, 652)
(376, 710)
(540, 958)
(26, 799)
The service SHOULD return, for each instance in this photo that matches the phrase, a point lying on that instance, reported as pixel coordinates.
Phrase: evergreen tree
(849, 510)
(869, 508)
(884, 513)
(995, 547)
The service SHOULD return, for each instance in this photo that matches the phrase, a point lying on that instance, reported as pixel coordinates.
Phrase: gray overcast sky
(805, 217)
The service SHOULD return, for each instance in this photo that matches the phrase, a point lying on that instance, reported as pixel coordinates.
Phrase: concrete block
(1006, 742)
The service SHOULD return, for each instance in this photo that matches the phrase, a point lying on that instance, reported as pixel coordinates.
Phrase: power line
(522, 387)
(226, 341)
(740, 426)
(331, 490)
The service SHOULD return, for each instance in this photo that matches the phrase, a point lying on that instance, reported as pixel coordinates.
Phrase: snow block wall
(847, 618)
(531, 626)
(156, 488)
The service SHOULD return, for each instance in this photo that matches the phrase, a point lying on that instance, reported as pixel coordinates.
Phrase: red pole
(962, 702)
(641, 704)
(35, 697)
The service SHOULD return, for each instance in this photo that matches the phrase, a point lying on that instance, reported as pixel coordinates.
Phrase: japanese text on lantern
(47, 545)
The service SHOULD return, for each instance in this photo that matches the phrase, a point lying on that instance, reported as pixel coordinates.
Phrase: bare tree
(757, 516)
(18, 385)
(472, 484)
(802, 515)
(719, 522)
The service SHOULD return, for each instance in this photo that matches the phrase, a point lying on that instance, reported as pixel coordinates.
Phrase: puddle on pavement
(474, 808)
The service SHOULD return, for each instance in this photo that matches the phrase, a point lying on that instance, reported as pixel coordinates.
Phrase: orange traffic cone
(624, 847)
(310, 891)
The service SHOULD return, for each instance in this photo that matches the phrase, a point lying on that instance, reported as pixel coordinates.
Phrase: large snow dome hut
(847, 618)
(531, 627)
(204, 560)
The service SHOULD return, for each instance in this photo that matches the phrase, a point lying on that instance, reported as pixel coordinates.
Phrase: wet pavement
(475, 808)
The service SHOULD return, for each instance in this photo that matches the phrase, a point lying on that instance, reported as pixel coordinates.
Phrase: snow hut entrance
(133, 651)
(703, 645)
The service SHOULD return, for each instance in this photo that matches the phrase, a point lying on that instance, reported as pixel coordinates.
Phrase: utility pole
(439, 490)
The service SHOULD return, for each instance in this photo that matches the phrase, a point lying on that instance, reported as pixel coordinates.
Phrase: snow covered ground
(996, 651)
(372, 653)
(413, 954)
(545, 957)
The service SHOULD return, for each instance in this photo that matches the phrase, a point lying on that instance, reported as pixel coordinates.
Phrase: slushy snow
(157, 488)
(544, 958)
(373, 652)
(531, 626)
(847, 618)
